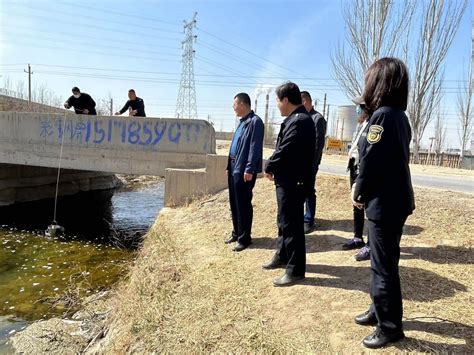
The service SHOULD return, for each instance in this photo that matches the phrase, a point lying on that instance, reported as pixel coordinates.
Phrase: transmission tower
(186, 104)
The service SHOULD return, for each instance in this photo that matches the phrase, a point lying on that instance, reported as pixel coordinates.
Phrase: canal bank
(187, 292)
(42, 278)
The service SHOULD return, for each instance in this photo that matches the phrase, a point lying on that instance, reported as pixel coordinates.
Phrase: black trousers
(240, 198)
(385, 289)
(359, 214)
(291, 247)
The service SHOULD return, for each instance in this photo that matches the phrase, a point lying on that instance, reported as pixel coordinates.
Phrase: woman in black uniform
(383, 187)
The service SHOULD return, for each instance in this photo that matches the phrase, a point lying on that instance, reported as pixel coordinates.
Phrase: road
(464, 184)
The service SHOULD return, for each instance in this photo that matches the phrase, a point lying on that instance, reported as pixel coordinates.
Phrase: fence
(442, 159)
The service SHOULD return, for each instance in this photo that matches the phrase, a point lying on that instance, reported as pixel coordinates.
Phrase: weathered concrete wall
(20, 183)
(9, 103)
(225, 136)
(128, 145)
(184, 185)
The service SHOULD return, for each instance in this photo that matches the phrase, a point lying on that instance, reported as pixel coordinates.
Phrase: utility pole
(186, 103)
(29, 82)
(327, 113)
(267, 99)
(111, 106)
(324, 107)
(429, 151)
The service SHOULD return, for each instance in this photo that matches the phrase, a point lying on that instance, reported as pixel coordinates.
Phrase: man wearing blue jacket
(244, 163)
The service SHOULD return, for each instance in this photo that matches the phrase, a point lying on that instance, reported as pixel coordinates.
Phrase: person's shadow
(347, 225)
(314, 243)
(417, 284)
(441, 254)
(442, 327)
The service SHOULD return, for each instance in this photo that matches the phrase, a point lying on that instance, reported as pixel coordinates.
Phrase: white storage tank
(346, 122)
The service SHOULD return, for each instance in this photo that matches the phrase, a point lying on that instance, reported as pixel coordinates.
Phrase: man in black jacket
(320, 130)
(135, 105)
(291, 167)
(83, 103)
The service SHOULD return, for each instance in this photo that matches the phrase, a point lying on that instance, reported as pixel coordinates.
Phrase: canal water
(103, 230)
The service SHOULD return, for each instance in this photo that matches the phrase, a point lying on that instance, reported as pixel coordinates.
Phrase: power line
(176, 73)
(71, 35)
(233, 57)
(99, 19)
(172, 81)
(80, 25)
(104, 46)
(127, 15)
(87, 51)
(219, 65)
(247, 51)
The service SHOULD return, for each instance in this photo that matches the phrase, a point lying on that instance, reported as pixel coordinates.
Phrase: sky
(108, 47)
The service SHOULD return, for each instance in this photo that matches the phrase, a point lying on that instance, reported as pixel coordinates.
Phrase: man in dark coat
(320, 130)
(135, 105)
(291, 167)
(83, 103)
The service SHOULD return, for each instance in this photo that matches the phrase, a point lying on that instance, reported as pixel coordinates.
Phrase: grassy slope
(188, 292)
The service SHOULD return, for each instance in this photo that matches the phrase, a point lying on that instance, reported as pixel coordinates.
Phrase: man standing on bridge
(244, 163)
(320, 129)
(134, 105)
(83, 103)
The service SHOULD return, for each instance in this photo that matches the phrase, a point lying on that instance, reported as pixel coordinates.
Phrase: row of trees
(420, 33)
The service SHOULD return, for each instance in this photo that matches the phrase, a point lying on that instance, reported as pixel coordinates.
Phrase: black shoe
(286, 280)
(354, 243)
(366, 318)
(232, 239)
(240, 246)
(274, 263)
(378, 339)
(308, 228)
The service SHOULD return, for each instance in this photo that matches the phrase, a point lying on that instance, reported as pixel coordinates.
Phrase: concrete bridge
(127, 145)
(97, 147)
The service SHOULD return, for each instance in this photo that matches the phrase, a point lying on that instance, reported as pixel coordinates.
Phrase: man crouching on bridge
(83, 103)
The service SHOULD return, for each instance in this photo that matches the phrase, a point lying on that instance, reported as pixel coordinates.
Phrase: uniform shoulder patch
(375, 134)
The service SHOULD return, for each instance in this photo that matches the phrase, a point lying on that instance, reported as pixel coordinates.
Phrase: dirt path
(188, 292)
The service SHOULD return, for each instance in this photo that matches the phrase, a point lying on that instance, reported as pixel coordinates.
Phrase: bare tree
(43, 95)
(103, 107)
(439, 23)
(465, 107)
(20, 89)
(375, 28)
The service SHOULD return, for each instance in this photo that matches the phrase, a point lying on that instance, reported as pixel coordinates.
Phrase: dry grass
(189, 293)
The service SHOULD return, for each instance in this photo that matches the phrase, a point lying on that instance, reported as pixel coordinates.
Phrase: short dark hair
(244, 98)
(131, 90)
(289, 90)
(386, 84)
(306, 95)
(75, 89)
